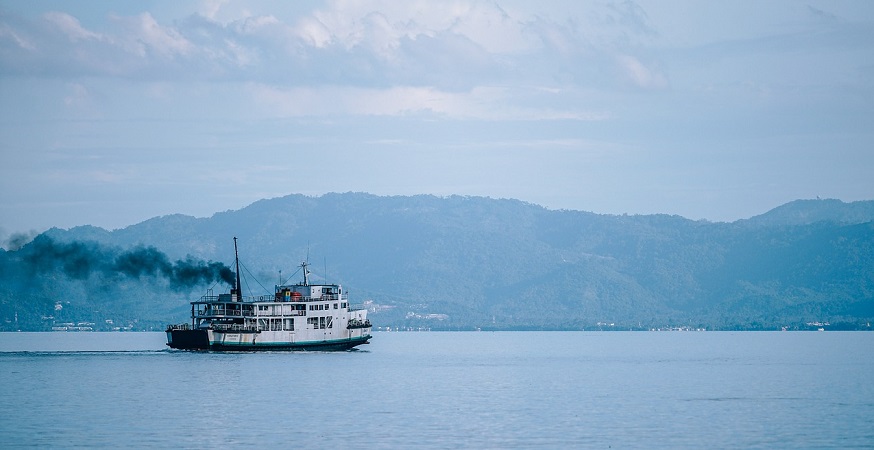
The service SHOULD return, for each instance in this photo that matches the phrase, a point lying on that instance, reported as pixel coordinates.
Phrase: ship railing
(275, 299)
(260, 298)
(251, 299)
(283, 299)
(214, 313)
(359, 307)
(294, 312)
(234, 327)
(178, 326)
(321, 298)
(235, 314)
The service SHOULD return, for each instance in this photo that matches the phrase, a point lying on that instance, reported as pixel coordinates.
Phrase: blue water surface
(445, 390)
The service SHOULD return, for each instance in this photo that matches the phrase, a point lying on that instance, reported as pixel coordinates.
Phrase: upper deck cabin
(297, 299)
(288, 300)
(309, 293)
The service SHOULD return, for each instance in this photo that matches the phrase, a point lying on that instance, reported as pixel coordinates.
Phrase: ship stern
(182, 339)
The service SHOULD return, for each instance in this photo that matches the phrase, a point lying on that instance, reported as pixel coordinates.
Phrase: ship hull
(334, 345)
(188, 339)
(200, 340)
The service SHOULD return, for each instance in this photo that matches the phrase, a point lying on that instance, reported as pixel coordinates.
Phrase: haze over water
(445, 390)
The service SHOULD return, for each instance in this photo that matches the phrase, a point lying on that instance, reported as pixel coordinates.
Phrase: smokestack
(237, 288)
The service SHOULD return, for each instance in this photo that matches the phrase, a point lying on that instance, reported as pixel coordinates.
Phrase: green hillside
(471, 262)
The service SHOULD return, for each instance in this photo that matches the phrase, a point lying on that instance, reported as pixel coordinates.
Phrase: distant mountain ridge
(804, 212)
(472, 262)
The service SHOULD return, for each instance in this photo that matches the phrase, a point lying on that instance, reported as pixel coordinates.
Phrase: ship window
(335, 306)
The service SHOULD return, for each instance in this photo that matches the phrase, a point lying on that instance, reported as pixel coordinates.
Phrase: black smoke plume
(79, 260)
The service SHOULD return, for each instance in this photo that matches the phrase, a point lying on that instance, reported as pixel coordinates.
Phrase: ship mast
(237, 288)
(306, 272)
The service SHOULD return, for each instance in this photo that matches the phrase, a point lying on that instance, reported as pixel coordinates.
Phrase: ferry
(299, 316)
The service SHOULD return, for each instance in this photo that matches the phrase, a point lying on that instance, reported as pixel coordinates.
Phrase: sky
(112, 113)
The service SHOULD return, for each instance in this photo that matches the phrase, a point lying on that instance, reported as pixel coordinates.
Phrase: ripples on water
(444, 390)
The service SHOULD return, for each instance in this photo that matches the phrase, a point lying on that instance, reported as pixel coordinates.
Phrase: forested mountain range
(463, 263)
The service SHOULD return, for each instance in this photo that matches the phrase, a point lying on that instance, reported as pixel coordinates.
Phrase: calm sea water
(445, 390)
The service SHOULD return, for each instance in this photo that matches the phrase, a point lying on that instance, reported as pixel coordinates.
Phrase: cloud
(313, 32)
(468, 42)
(211, 8)
(641, 75)
(143, 36)
(9, 33)
(71, 27)
(78, 96)
(451, 59)
(822, 15)
(481, 103)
